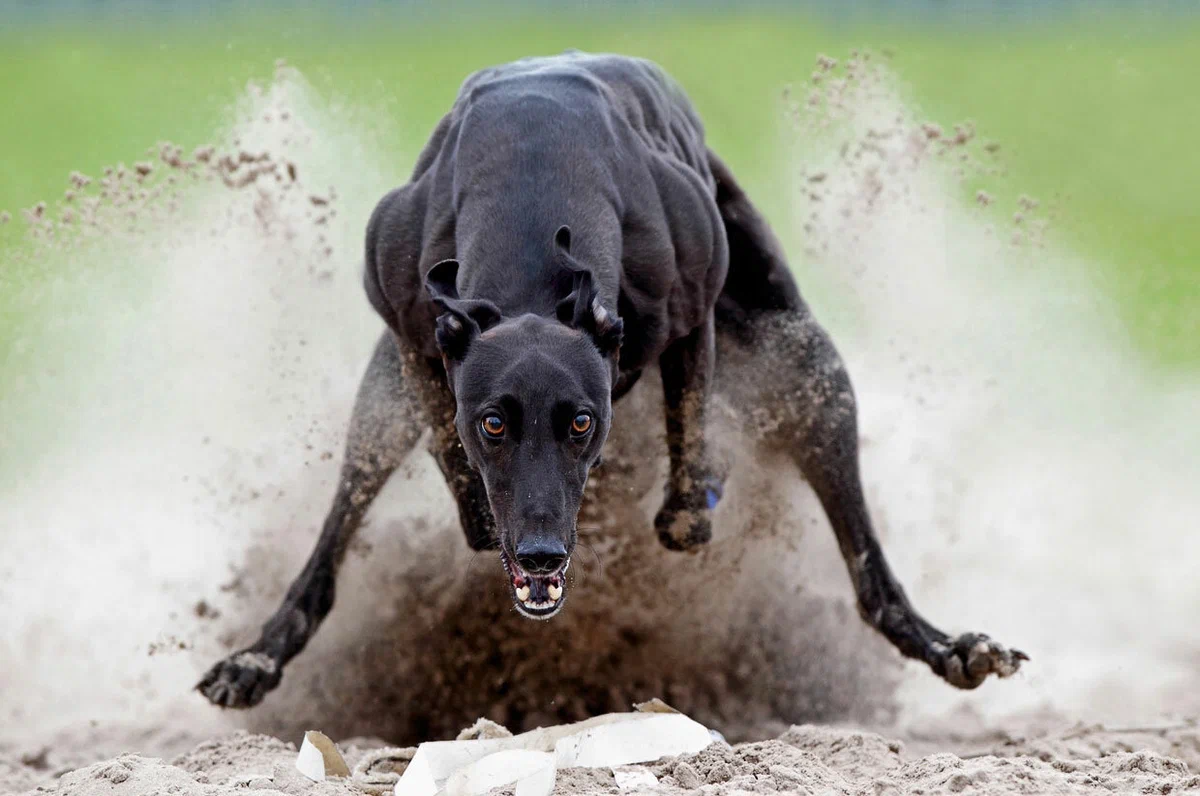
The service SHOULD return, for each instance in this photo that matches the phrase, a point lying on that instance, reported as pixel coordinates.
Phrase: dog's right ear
(581, 309)
(462, 320)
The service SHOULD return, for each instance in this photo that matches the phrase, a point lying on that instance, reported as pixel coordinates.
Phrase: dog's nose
(541, 556)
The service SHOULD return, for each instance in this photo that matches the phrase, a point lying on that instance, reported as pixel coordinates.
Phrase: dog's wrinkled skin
(565, 228)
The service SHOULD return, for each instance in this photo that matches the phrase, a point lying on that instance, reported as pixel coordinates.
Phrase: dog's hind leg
(807, 409)
(386, 423)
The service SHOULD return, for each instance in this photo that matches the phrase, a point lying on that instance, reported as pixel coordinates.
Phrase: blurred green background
(1098, 110)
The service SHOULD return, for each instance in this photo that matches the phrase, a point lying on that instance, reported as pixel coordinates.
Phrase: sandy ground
(1027, 477)
(803, 759)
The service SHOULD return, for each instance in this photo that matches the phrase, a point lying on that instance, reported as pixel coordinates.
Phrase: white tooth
(555, 593)
(523, 593)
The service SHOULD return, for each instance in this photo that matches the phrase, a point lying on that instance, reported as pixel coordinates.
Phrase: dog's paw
(968, 660)
(685, 519)
(241, 680)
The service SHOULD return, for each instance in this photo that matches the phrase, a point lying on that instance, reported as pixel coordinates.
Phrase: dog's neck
(512, 260)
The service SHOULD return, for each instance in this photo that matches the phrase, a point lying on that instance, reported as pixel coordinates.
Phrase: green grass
(1102, 114)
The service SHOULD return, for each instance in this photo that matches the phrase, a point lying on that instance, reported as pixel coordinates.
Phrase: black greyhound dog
(564, 228)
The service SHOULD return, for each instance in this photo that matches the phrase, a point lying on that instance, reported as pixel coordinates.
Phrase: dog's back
(596, 87)
(606, 144)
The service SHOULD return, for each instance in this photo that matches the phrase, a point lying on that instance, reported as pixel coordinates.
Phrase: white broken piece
(531, 772)
(609, 741)
(310, 761)
(649, 737)
(320, 758)
(634, 778)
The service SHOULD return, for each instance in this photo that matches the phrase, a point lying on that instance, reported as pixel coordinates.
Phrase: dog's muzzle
(536, 596)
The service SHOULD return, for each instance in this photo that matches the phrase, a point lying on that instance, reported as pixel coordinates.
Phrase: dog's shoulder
(407, 232)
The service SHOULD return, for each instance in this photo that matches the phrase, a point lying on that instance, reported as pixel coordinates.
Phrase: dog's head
(534, 406)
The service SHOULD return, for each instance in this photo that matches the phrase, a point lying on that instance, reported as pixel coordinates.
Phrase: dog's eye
(582, 424)
(493, 426)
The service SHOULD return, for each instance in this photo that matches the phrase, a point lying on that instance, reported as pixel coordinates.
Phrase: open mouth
(539, 596)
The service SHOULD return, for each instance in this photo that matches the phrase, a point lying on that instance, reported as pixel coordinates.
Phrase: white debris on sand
(529, 773)
(319, 758)
(477, 764)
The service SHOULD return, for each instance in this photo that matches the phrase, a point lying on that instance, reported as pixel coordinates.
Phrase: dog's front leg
(384, 427)
(465, 482)
(694, 486)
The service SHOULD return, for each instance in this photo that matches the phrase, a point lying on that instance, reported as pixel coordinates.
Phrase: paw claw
(241, 680)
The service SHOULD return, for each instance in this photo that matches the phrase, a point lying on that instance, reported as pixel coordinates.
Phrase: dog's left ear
(582, 310)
